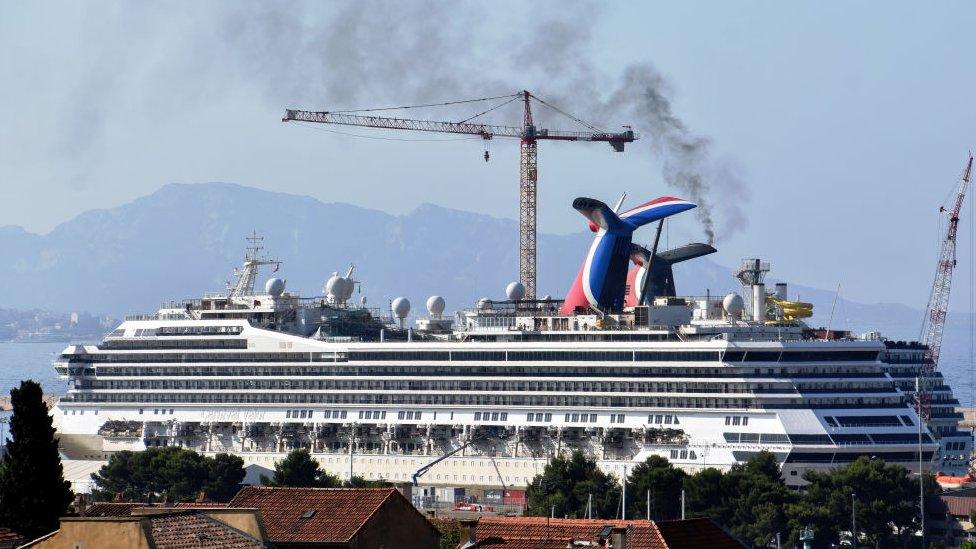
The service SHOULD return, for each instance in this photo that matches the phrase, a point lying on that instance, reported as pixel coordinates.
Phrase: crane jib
(486, 131)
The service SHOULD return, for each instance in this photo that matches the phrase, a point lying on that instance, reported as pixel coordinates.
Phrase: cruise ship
(622, 369)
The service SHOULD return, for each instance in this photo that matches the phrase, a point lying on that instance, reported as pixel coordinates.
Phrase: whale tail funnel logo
(601, 281)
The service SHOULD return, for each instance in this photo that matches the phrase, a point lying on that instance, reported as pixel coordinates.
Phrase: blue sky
(846, 123)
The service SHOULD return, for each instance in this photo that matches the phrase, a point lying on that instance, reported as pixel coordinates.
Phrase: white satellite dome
(339, 288)
(484, 303)
(274, 286)
(400, 307)
(435, 305)
(515, 291)
(733, 304)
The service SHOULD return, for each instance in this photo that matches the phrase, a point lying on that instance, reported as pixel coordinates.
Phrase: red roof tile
(955, 505)
(184, 529)
(694, 533)
(339, 513)
(7, 535)
(531, 532)
(641, 534)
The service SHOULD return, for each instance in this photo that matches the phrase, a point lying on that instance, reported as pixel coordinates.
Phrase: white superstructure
(515, 382)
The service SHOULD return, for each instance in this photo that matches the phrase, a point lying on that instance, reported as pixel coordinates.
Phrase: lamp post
(853, 520)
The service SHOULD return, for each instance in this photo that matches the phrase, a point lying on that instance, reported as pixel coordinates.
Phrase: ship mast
(247, 274)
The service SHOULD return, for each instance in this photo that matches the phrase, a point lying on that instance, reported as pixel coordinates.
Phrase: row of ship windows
(99, 358)
(482, 399)
(456, 385)
(838, 439)
(181, 331)
(443, 370)
(496, 356)
(619, 356)
(829, 457)
(683, 454)
(146, 344)
(869, 421)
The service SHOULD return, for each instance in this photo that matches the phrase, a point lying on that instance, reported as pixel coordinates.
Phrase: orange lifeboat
(955, 483)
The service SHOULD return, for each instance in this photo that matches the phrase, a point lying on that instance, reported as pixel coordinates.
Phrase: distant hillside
(184, 240)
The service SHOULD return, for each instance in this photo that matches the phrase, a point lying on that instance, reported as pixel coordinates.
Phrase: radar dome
(339, 288)
(733, 304)
(435, 305)
(400, 307)
(274, 286)
(515, 291)
(484, 303)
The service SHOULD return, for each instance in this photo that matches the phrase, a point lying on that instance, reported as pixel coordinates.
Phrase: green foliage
(704, 496)
(299, 469)
(226, 475)
(170, 473)
(885, 504)
(360, 482)
(450, 530)
(566, 484)
(663, 481)
(967, 544)
(756, 499)
(33, 492)
(750, 499)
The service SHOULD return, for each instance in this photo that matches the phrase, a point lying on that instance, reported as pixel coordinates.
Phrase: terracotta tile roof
(183, 529)
(8, 536)
(694, 533)
(519, 531)
(952, 504)
(339, 513)
(541, 532)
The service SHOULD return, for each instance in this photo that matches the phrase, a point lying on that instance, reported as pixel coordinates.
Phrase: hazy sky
(834, 131)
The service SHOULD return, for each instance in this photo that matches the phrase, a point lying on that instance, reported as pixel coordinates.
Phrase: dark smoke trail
(367, 53)
(687, 164)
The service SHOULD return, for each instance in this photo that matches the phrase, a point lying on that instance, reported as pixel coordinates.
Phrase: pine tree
(33, 492)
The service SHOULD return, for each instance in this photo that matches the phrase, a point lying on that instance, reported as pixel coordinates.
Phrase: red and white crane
(527, 133)
(933, 323)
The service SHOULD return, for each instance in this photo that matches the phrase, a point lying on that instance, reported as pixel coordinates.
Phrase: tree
(450, 530)
(704, 496)
(565, 486)
(171, 473)
(360, 482)
(885, 502)
(663, 482)
(33, 492)
(299, 469)
(226, 474)
(755, 498)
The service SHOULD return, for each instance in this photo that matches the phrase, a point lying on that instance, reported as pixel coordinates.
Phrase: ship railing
(142, 317)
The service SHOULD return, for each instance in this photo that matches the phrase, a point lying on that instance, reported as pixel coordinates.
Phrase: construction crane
(527, 133)
(933, 323)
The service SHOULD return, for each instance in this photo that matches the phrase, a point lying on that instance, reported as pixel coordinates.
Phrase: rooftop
(546, 533)
(321, 515)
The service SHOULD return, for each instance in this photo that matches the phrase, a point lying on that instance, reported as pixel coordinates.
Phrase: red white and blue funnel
(602, 279)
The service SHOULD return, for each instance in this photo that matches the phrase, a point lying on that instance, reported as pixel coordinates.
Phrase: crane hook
(487, 156)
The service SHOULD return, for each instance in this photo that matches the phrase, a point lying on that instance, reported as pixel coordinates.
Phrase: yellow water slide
(792, 310)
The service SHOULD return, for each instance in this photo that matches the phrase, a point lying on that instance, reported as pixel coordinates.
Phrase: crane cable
(443, 104)
(570, 116)
(489, 110)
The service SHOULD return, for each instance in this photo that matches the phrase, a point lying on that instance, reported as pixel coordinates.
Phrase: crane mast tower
(933, 323)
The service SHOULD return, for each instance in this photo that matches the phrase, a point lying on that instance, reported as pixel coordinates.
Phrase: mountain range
(186, 239)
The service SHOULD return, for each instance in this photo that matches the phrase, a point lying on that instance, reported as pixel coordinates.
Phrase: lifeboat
(955, 483)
